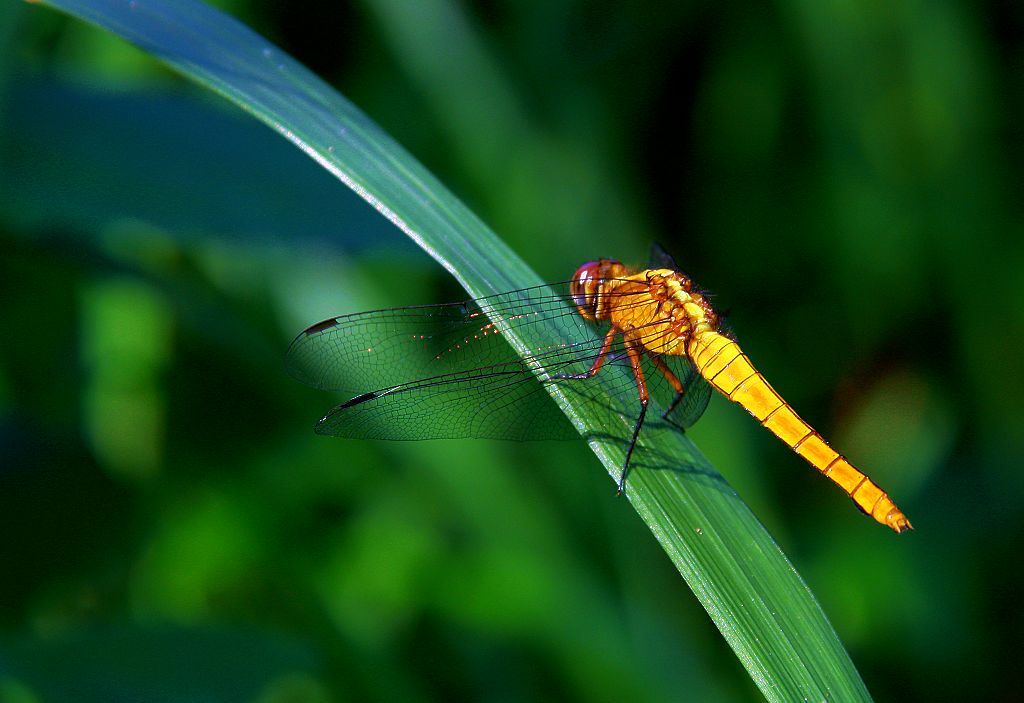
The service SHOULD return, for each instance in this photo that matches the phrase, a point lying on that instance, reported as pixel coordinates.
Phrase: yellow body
(680, 322)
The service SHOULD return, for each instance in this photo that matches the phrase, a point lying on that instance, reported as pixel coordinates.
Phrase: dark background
(846, 178)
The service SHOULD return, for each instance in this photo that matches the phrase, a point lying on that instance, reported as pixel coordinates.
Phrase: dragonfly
(448, 370)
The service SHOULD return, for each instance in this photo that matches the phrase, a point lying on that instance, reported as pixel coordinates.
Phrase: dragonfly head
(587, 286)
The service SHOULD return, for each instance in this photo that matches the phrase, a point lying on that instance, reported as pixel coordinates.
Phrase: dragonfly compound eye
(584, 287)
(588, 283)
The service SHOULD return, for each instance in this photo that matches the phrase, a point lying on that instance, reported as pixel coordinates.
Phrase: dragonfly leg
(635, 356)
(598, 362)
(673, 380)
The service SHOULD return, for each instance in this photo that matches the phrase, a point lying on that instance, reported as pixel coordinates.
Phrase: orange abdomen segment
(721, 361)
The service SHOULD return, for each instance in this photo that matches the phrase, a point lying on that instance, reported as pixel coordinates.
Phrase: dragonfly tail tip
(900, 523)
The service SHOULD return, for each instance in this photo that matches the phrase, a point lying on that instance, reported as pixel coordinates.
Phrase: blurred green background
(844, 176)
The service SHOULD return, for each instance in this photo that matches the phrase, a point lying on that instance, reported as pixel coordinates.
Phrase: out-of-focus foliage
(844, 177)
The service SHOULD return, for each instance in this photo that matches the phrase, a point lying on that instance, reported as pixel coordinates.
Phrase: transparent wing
(658, 258)
(697, 391)
(446, 371)
(503, 401)
(384, 348)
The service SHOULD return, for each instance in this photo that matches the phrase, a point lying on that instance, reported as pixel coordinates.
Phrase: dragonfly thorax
(605, 290)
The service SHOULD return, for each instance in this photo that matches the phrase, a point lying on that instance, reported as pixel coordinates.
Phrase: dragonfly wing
(697, 392)
(369, 349)
(378, 349)
(661, 259)
(444, 371)
(506, 401)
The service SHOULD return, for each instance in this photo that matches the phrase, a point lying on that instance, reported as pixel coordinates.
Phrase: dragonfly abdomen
(721, 361)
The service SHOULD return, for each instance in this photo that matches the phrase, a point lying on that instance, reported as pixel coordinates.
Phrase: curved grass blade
(755, 597)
